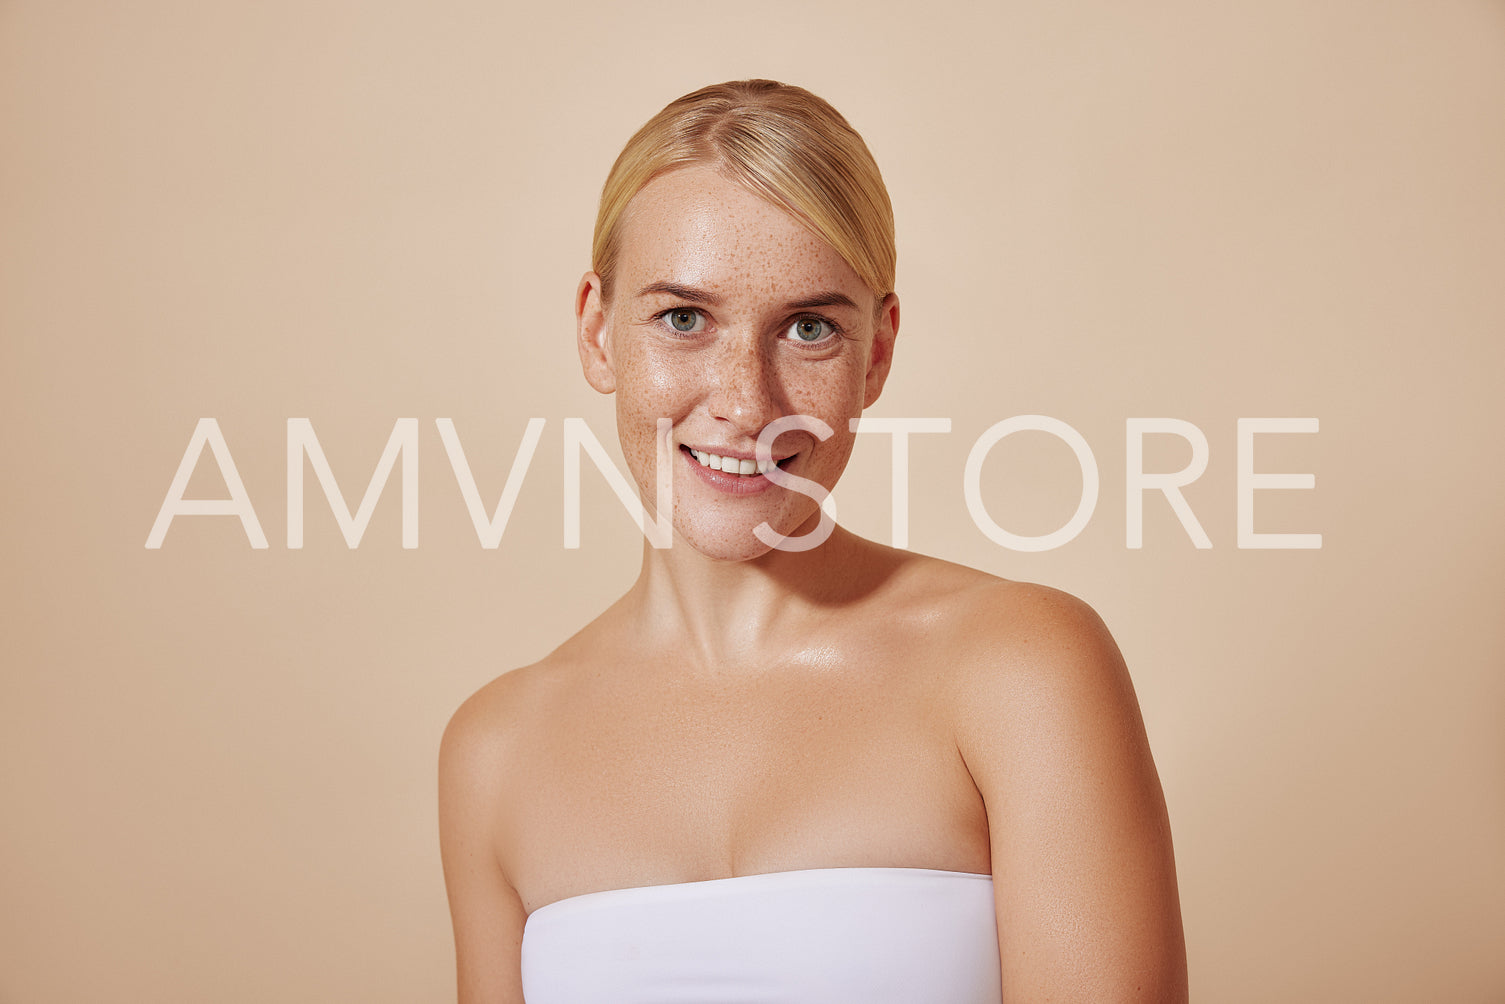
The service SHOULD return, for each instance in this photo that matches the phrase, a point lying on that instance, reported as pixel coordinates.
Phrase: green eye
(685, 320)
(810, 329)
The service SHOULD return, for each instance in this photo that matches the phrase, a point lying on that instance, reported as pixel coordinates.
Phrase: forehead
(695, 227)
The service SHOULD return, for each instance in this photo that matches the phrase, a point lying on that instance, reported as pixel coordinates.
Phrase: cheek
(835, 393)
(651, 386)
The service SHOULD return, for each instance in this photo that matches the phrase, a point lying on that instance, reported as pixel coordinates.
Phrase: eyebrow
(682, 292)
(824, 298)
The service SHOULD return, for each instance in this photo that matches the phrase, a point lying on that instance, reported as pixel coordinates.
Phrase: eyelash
(836, 331)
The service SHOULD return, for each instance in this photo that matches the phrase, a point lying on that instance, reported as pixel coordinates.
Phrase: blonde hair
(781, 142)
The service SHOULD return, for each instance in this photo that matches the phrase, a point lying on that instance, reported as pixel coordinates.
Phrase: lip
(729, 484)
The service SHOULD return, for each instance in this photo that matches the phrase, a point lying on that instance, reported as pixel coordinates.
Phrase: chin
(736, 541)
(742, 546)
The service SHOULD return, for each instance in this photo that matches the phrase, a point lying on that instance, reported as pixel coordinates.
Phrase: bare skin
(744, 709)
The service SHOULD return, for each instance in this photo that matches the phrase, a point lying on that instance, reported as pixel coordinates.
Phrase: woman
(792, 764)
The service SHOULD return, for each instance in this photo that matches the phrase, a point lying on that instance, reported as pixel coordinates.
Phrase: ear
(590, 335)
(881, 357)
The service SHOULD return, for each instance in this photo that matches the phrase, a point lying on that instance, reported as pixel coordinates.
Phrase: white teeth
(730, 465)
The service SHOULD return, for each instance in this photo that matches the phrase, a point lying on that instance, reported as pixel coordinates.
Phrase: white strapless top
(818, 936)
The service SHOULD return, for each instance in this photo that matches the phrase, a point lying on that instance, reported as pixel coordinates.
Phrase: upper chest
(639, 778)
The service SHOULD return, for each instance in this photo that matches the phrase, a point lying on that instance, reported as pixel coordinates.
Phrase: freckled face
(726, 313)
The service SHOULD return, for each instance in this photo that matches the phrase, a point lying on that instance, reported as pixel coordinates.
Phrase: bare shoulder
(494, 724)
(1039, 688)
(1004, 627)
(476, 782)
(502, 712)
(479, 742)
(487, 723)
(1048, 726)
(1023, 638)
(485, 718)
(1007, 652)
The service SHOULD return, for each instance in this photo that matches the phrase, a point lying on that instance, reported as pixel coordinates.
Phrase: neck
(729, 614)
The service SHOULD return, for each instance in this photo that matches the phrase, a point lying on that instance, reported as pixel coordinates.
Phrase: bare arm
(488, 916)
(1083, 871)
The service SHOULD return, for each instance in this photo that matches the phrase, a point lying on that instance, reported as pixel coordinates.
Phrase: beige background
(216, 764)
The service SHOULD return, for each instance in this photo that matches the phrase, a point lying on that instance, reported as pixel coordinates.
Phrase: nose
(743, 386)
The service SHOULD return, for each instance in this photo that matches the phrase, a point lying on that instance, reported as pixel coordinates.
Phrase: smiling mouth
(732, 465)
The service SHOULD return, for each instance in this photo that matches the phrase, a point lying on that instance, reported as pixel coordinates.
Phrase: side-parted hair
(783, 144)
